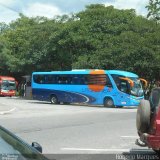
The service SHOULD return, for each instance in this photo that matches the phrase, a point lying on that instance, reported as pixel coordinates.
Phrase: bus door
(108, 90)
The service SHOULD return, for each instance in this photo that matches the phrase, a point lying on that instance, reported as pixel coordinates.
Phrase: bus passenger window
(123, 87)
(59, 80)
(51, 79)
(35, 78)
(75, 80)
(38, 78)
(42, 80)
(63, 79)
(82, 79)
(70, 80)
(108, 81)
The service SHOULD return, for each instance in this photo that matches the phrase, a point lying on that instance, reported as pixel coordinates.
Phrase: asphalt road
(89, 131)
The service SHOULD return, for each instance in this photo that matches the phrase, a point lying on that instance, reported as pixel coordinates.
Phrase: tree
(3, 27)
(27, 38)
(98, 37)
(154, 9)
(119, 39)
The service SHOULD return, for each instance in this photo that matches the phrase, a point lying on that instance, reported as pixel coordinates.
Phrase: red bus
(7, 86)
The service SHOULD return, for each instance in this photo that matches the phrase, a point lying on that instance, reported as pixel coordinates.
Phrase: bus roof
(87, 71)
(65, 72)
(122, 73)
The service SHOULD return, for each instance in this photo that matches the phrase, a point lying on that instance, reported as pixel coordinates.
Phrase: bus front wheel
(53, 99)
(108, 102)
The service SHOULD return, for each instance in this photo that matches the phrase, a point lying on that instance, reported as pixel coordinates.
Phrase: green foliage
(98, 37)
(154, 9)
(120, 40)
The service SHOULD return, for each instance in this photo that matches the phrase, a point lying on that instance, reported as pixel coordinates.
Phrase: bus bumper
(135, 101)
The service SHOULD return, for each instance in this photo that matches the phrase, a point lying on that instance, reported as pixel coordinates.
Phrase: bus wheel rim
(53, 99)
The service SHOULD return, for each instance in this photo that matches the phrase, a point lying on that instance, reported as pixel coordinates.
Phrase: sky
(10, 9)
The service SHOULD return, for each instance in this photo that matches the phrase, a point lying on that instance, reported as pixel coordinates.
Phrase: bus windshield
(124, 86)
(8, 85)
(136, 90)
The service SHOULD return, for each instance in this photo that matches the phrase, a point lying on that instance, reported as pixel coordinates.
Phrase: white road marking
(96, 149)
(107, 150)
(134, 137)
(6, 112)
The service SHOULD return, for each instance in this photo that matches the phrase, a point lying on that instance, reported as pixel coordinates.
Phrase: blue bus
(111, 88)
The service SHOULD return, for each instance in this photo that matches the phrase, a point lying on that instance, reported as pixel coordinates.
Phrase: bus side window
(70, 80)
(62, 79)
(38, 78)
(42, 79)
(78, 79)
(51, 79)
(45, 79)
(116, 80)
(75, 79)
(123, 86)
(85, 80)
(82, 79)
(65, 80)
(35, 78)
(108, 82)
(59, 80)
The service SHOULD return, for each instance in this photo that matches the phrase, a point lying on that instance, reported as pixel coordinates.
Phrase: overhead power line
(3, 5)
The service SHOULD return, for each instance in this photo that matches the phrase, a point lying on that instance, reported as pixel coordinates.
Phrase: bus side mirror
(129, 80)
(144, 82)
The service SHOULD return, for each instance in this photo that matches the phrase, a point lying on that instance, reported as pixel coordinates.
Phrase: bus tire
(143, 116)
(54, 99)
(108, 102)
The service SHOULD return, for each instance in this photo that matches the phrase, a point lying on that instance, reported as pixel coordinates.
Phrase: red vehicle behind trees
(7, 86)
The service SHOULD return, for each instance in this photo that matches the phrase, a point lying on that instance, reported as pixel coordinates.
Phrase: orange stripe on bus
(97, 76)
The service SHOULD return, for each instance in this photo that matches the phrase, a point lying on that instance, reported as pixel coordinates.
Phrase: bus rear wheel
(108, 102)
(53, 99)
